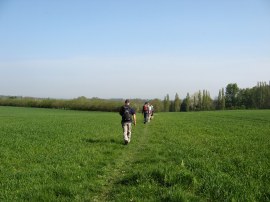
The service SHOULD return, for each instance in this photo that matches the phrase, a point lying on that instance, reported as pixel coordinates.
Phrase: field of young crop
(61, 155)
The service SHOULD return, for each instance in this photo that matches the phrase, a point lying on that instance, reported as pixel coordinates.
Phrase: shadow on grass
(100, 141)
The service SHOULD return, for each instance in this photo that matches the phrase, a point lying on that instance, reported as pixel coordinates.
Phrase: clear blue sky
(132, 49)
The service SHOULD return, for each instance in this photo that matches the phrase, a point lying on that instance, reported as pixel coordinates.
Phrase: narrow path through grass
(124, 162)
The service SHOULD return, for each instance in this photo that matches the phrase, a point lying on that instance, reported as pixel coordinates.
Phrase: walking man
(127, 114)
(145, 112)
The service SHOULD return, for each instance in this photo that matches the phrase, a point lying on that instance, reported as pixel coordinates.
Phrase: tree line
(231, 97)
(80, 103)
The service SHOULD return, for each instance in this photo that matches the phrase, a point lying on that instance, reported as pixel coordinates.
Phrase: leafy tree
(220, 105)
(158, 105)
(204, 100)
(187, 102)
(261, 95)
(199, 100)
(177, 103)
(231, 95)
(222, 99)
(167, 103)
(171, 109)
(185, 105)
(219, 101)
(244, 98)
(208, 101)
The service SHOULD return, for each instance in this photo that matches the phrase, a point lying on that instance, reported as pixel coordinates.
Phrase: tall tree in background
(199, 100)
(244, 99)
(222, 99)
(219, 101)
(171, 109)
(262, 95)
(167, 103)
(177, 103)
(204, 100)
(187, 102)
(208, 100)
(185, 105)
(194, 103)
(231, 95)
(267, 96)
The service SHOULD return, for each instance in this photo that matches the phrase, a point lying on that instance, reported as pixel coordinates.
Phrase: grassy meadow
(62, 155)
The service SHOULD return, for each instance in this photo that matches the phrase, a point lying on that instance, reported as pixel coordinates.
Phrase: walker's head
(127, 101)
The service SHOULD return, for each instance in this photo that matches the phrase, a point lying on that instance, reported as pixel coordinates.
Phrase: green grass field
(58, 155)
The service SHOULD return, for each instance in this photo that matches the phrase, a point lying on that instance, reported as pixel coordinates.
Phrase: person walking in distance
(151, 112)
(145, 112)
(128, 115)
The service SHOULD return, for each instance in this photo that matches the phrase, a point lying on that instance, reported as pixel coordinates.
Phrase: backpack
(145, 108)
(126, 114)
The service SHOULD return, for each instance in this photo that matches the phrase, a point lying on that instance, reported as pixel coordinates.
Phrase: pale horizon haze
(132, 49)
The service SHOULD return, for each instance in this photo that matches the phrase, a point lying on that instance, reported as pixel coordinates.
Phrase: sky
(132, 49)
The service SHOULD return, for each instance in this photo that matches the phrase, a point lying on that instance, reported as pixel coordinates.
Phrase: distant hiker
(127, 114)
(151, 111)
(145, 112)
